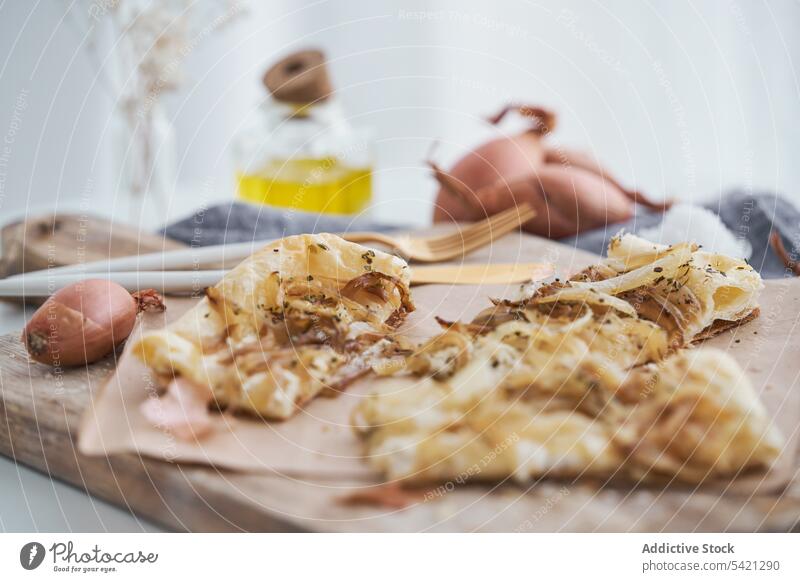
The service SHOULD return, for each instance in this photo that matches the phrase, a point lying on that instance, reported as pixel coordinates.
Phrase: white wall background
(681, 98)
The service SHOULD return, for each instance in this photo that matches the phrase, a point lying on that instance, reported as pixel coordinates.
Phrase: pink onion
(80, 324)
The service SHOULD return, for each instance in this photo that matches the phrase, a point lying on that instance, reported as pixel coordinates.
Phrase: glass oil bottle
(299, 150)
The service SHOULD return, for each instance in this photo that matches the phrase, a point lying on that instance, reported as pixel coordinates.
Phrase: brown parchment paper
(319, 442)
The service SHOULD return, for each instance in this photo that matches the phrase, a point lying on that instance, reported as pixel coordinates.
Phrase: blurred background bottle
(300, 151)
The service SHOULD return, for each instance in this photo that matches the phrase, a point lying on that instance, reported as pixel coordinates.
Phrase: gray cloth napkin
(751, 216)
(234, 222)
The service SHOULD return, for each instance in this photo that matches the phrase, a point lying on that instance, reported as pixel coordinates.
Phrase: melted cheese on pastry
(692, 417)
(294, 319)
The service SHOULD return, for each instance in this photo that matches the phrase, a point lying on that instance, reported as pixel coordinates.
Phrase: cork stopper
(299, 78)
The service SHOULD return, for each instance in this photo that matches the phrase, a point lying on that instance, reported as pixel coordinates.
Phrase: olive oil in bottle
(326, 185)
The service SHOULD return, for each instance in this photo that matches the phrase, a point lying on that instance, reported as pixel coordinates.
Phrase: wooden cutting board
(40, 413)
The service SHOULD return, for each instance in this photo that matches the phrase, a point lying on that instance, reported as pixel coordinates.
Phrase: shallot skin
(566, 201)
(80, 323)
(507, 159)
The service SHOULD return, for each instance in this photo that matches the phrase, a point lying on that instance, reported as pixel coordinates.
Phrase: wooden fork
(433, 249)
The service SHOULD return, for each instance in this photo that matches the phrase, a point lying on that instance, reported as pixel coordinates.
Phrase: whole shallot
(82, 323)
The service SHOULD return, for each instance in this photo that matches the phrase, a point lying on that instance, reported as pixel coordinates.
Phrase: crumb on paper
(388, 496)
